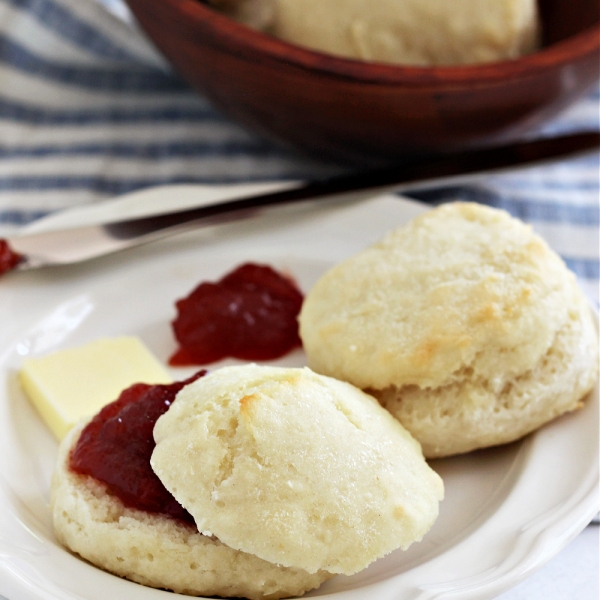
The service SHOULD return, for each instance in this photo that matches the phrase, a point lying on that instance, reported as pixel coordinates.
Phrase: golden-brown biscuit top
(461, 287)
(295, 468)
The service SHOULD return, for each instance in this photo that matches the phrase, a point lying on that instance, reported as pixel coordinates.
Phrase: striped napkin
(90, 110)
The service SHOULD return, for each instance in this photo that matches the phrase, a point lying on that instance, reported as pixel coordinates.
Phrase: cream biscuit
(464, 324)
(295, 468)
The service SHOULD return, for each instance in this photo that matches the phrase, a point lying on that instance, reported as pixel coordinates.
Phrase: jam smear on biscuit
(116, 445)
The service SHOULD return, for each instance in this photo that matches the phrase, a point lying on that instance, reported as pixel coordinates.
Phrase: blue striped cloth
(89, 110)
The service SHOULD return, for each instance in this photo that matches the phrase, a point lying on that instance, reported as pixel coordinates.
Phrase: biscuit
(158, 551)
(296, 468)
(463, 323)
(411, 32)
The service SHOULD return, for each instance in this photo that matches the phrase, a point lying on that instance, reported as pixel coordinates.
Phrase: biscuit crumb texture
(464, 324)
(157, 551)
(296, 468)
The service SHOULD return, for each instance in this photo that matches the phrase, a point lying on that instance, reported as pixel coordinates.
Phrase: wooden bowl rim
(247, 42)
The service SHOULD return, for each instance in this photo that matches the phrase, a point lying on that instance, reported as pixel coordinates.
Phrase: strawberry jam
(116, 445)
(250, 314)
(9, 259)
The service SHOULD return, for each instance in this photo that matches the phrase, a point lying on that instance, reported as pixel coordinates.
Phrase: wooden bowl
(370, 113)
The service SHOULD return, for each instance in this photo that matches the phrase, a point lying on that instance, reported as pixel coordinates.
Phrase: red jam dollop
(116, 445)
(250, 314)
(9, 259)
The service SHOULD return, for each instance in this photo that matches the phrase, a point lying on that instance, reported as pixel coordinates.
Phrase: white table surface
(571, 575)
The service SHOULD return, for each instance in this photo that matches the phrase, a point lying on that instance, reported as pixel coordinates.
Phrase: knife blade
(76, 244)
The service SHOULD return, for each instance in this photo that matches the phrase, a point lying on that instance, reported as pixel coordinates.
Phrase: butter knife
(76, 244)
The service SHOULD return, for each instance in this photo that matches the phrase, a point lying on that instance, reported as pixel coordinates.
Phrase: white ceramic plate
(507, 510)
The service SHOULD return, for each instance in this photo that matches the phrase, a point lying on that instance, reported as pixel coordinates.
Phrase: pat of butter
(71, 384)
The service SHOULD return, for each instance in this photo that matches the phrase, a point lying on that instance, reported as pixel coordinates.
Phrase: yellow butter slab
(71, 384)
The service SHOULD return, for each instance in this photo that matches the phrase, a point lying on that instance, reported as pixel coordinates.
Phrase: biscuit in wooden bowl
(465, 325)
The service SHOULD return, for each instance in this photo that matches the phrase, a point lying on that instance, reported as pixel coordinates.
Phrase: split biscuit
(295, 468)
(159, 551)
(465, 325)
